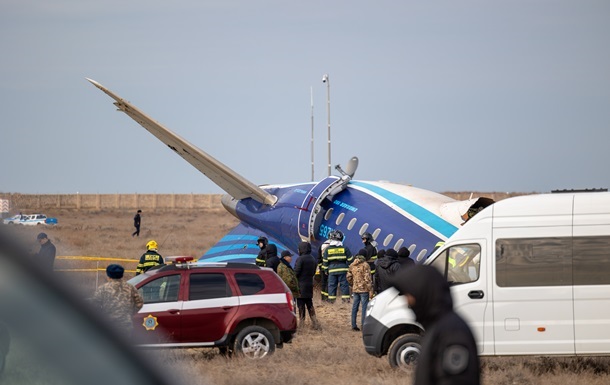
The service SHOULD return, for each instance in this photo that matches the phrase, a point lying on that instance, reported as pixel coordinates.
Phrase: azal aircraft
(395, 214)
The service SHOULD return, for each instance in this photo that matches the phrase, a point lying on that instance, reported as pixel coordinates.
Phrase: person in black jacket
(386, 267)
(323, 271)
(137, 219)
(46, 255)
(449, 351)
(404, 257)
(262, 254)
(371, 251)
(305, 268)
(150, 258)
(271, 258)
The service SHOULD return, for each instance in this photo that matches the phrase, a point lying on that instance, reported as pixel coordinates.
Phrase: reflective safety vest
(261, 257)
(336, 260)
(147, 260)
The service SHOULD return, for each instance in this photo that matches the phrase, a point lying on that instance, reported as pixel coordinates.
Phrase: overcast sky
(444, 95)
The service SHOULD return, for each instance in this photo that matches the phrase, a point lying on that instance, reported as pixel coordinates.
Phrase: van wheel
(254, 342)
(404, 352)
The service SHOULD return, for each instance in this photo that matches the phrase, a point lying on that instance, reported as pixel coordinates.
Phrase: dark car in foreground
(237, 307)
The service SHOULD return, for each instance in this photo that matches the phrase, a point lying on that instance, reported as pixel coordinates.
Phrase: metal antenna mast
(311, 93)
(326, 79)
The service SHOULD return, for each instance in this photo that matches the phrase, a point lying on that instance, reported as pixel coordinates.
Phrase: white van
(530, 275)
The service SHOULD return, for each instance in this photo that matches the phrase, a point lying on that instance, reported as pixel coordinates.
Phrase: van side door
(465, 267)
(592, 273)
(532, 305)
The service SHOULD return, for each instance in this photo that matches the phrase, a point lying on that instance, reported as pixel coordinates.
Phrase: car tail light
(290, 301)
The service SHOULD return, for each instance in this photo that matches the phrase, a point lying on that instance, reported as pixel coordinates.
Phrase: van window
(534, 262)
(591, 261)
(460, 263)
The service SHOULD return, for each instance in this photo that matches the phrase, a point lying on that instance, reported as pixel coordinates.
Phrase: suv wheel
(254, 342)
(404, 351)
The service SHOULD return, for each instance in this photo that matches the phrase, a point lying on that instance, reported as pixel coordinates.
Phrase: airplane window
(363, 228)
(328, 214)
(398, 244)
(351, 224)
(388, 239)
(411, 248)
(340, 219)
(422, 254)
(376, 233)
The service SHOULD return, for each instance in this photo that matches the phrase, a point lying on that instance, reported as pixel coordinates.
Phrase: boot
(314, 319)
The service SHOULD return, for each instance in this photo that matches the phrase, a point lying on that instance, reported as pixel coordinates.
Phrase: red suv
(237, 307)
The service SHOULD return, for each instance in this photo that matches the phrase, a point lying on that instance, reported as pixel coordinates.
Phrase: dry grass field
(334, 355)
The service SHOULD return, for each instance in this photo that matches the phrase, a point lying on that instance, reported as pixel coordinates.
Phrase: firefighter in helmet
(150, 258)
(262, 243)
(336, 260)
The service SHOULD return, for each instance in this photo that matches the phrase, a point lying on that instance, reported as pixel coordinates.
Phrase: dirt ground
(334, 355)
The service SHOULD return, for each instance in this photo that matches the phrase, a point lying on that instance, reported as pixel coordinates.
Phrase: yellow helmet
(151, 245)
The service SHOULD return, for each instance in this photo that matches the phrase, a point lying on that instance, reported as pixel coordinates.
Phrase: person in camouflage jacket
(361, 284)
(287, 274)
(118, 300)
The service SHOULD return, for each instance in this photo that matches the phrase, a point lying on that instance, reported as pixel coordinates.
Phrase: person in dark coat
(380, 256)
(386, 267)
(262, 243)
(46, 255)
(404, 257)
(305, 269)
(271, 259)
(371, 251)
(449, 351)
(323, 271)
(137, 220)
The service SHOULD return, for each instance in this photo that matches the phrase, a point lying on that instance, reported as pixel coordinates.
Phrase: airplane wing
(227, 179)
(239, 245)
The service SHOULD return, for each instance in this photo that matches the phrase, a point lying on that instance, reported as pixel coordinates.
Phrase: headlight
(369, 307)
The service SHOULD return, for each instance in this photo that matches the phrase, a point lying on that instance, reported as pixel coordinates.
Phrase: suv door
(159, 319)
(209, 308)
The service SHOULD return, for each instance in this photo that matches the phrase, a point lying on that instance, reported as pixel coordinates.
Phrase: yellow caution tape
(98, 258)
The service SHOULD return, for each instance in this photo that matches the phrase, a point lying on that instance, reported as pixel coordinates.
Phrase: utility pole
(326, 79)
(311, 93)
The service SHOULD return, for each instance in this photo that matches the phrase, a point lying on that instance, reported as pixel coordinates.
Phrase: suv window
(208, 286)
(164, 289)
(249, 283)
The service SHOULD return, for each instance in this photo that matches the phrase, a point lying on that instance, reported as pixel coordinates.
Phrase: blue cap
(115, 271)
